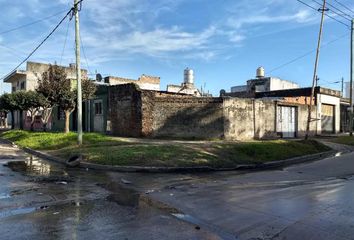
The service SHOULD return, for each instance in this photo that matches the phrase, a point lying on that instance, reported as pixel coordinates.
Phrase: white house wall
(330, 100)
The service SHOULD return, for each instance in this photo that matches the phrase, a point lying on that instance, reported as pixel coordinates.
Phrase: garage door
(327, 118)
(286, 121)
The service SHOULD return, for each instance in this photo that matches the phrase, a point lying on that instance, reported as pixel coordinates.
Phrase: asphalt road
(308, 201)
(41, 200)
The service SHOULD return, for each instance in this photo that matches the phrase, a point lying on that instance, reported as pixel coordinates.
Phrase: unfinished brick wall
(173, 115)
(125, 110)
(136, 113)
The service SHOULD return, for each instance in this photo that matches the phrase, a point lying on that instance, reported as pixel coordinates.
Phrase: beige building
(145, 82)
(27, 80)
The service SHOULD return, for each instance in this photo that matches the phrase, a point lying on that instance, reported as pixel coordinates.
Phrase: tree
(33, 102)
(20, 101)
(50, 86)
(8, 104)
(61, 92)
(4, 110)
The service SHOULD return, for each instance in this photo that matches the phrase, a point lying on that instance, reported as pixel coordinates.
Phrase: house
(264, 84)
(144, 82)
(290, 122)
(27, 80)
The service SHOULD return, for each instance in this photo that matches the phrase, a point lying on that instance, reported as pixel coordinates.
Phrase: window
(22, 85)
(98, 107)
(13, 89)
(61, 114)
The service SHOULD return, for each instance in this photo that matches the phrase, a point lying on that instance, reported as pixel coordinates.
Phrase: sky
(223, 41)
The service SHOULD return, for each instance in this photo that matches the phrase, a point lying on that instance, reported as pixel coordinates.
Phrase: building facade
(27, 80)
(277, 114)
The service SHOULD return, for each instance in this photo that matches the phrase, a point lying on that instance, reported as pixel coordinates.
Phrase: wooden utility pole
(78, 73)
(351, 78)
(317, 79)
(309, 119)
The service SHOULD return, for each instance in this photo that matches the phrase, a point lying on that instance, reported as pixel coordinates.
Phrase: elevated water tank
(260, 72)
(188, 76)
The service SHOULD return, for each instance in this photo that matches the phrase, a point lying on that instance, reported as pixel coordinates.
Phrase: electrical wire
(45, 39)
(344, 13)
(84, 52)
(308, 53)
(32, 23)
(333, 18)
(343, 5)
(341, 14)
(66, 38)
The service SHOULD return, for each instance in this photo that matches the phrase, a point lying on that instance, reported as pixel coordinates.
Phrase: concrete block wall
(247, 119)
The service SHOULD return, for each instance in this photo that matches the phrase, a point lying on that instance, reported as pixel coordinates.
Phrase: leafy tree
(4, 109)
(8, 104)
(50, 87)
(33, 102)
(59, 91)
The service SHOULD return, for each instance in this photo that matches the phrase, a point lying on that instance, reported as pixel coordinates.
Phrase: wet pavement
(307, 201)
(41, 200)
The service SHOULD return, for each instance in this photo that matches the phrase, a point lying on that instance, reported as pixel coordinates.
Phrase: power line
(84, 52)
(32, 23)
(341, 14)
(44, 40)
(343, 5)
(307, 54)
(66, 38)
(344, 13)
(333, 18)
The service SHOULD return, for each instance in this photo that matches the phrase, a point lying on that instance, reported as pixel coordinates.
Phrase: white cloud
(302, 16)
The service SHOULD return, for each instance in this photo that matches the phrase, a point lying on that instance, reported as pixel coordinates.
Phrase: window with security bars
(98, 108)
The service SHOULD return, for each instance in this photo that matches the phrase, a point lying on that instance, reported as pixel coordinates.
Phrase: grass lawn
(347, 140)
(107, 150)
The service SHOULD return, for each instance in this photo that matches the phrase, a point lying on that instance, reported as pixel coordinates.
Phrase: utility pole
(317, 79)
(342, 91)
(78, 73)
(309, 119)
(351, 78)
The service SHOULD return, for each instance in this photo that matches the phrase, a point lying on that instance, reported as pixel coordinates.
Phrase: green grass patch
(56, 140)
(347, 140)
(101, 149)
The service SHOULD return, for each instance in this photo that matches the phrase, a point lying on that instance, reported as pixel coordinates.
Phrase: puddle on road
(123, 196)
(4, 196)
(35, 167)
(18, 211)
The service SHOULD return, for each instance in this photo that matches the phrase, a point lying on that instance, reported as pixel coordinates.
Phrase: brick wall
(142, 113)
(125, 110)
(135, 112)
(174, 115)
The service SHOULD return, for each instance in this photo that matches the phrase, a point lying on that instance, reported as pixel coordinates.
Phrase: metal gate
(286, 121)
(327, 119)
(98, 117)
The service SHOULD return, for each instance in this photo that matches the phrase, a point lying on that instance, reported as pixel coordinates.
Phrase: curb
(131, 169)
